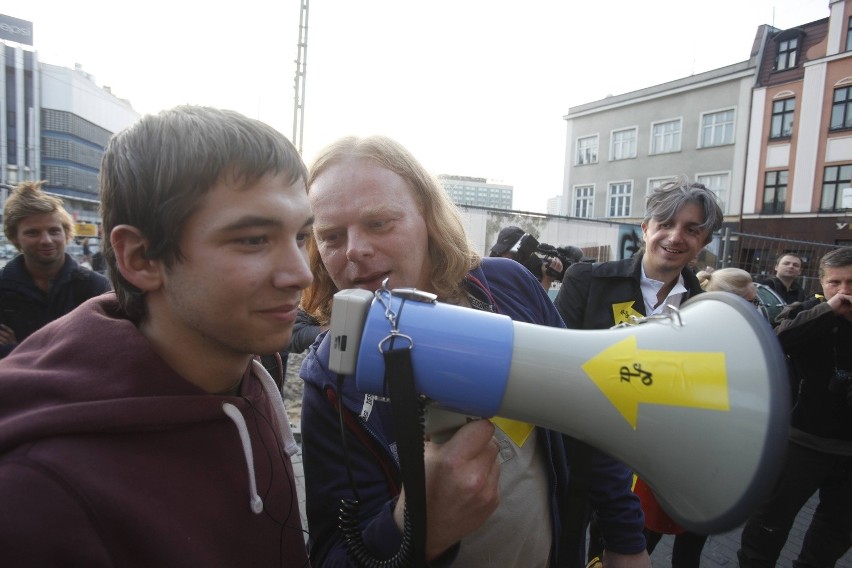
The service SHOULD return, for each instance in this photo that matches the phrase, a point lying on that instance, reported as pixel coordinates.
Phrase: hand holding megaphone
(696, 402)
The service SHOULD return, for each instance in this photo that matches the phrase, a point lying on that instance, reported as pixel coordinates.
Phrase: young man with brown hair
(140, 430)
(43, 282)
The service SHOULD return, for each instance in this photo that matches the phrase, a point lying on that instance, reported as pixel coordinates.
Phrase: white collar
(650, 288)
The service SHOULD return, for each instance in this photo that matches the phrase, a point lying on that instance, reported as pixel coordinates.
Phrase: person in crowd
(788, 269)
(43, 282)
(544, 271)
(139, 430)
(734, 280)
(680, 219)
(98, 261)
(816, 336)
(86, 259)
(380, 215)
(693, 265)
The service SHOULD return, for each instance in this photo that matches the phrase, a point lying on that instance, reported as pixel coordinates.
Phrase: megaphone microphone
(696, 401)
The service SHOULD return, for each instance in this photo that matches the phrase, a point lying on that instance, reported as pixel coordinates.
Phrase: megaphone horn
(696, 401)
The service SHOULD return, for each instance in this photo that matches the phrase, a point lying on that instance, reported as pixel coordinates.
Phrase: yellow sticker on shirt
(518, 432)
(623, 313)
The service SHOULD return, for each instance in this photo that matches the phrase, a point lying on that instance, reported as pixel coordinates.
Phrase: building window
(782, 118)
(587, 150)
(623, 144)
(620, 196)
(837, 188)
(718, 184)
(841, 109)
(584, 201)
(786, 54)
(665, 137)
(775, 192)
(11, 138)
(849, 35)
(717, 128)
(655, 183)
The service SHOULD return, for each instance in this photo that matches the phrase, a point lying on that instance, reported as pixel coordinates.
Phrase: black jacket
(816, 341)
(795, 294)
(26, 308)
(592, 294)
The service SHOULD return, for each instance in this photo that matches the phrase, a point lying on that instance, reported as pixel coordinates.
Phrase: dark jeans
(830, 534)
(686, 550)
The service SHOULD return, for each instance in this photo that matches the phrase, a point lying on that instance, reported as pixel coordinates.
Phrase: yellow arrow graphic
(623, 312)
(629, 376)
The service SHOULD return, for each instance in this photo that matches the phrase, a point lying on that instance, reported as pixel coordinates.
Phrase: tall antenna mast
(299, 82)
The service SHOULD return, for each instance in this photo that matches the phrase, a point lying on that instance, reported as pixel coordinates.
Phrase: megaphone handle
(440, 424)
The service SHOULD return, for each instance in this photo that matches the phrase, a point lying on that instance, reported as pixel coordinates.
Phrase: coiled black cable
(411, 552)
(351, 530)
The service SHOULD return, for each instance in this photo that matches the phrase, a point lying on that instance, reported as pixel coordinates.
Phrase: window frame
(633, 144)
(721, 193)
(593, 159)
(622, 202)
(656, 181)
(783, 115)
(845, 107)
(588, 200)
(787, 54)
(716, 126)
(776, 185)
(838, 184)
(653, 150)
(849, 34)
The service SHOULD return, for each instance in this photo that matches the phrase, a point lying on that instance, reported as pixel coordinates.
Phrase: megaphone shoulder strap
(407, 419)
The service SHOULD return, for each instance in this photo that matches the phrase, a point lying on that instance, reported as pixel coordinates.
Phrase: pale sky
(471, 87)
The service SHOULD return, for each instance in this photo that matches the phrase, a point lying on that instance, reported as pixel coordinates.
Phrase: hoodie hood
(48, 387)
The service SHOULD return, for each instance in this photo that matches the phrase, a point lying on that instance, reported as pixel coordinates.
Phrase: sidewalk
(719, 552)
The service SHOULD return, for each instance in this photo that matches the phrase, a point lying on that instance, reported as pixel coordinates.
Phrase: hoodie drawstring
(277, 403)
(255, 502)
(287, 439)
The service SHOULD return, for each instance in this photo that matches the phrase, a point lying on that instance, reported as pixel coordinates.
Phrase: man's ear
(130, 248)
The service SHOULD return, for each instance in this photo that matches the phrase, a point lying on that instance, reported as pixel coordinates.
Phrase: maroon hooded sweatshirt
(110, 458)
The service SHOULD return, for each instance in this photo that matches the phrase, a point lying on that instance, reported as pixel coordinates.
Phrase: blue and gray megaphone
(696, 402)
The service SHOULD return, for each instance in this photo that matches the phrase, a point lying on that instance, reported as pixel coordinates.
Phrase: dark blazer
(600, 295)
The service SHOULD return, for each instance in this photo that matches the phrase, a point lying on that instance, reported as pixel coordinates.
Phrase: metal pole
(726, 245)
(299, 82)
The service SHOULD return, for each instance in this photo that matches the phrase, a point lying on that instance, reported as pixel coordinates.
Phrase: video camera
(568, 255)
(523, 248)
(529, 252)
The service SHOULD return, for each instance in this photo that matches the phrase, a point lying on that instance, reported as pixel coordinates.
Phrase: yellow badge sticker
(623, 312)
(518, 432)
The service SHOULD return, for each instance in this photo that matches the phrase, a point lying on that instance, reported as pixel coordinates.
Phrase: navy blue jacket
(375, 467)
(26, 308)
